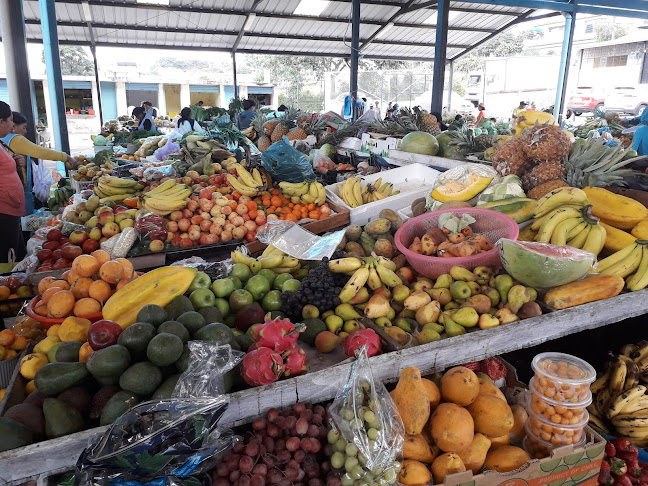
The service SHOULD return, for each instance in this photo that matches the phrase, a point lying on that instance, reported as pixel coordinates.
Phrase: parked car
(586, 99)
(628, 100)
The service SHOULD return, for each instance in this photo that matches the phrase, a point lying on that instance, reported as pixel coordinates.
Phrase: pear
(534, 294)
(530, 309)
(361, 297)
(334, 323)
(400, 293)
(452, 329)
(384, 291)
(396, 333)
(443, 281)
(350, 326)
(391, 313)
(361, 307)
(518, 295)
(421, 285)
(407, 314)
(463, 274)
(428, 313)
(486, 321)
(483, 274)
(433, 325)
(480, 302)
(417, 299)
(451, 306)
(466, 316)
(347, 312)
(442, 295)
(491, 293)
(405, 324)
(397, 307)
(505, 316)
(383, 322)
(503, 284)
(474, 287)
(428, 336)
(460, 290)
(378, 306)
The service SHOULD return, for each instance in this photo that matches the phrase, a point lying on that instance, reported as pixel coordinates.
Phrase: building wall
(208, 99)
(172, 94)
(610, 66)
(108, 100)
(134, 97)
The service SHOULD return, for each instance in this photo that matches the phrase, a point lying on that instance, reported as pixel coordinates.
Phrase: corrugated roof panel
(494, 8)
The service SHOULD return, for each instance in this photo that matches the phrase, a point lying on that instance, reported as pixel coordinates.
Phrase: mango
(31, 363)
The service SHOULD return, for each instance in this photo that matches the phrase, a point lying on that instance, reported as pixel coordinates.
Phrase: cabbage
(100, 140)
(328, 150)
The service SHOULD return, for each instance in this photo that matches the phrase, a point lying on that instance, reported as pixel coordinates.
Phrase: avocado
(182, 364)
(51, 354)
(100, 399)
(109, 362)
(61, 419)
(166, 388)
(142, 378)
(164, 349)
(118, 404)
(106, 380)
(313, 327)
(219, 333)
(136, 337)
(211, 314)
(77, 397)
(68, 352)
(174, 327)
(30, 416)
(153, 314)
(244, 341)
(14, 434)
(192, 321)
(177, 307)
(55, 378)
(36, 398)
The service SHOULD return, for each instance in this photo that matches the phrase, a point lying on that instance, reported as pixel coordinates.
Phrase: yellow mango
(616, 239)
(31, 363)
(44, 346)
(74, 329)
(614, 209)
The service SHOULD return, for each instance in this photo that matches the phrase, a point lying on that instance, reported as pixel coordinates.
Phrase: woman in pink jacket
(12, 196)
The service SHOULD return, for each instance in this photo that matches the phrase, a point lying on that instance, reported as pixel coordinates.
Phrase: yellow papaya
(159, 286)
(614, 209)
(529, 118)
(521, 209)
(641, 230)
(455, 191)
(589, 289)
(616, 239)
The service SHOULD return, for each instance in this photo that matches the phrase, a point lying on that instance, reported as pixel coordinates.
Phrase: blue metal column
(440, 46)
(236, 93)
(565, 60)
(21, 88)
(450, 75)
(54, 76)
(355, 47)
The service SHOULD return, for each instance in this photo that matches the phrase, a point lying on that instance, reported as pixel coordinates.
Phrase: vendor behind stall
(640, 141)
(145, 119)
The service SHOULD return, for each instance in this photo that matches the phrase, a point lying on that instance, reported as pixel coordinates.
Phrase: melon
(420, 143)
(541, 265)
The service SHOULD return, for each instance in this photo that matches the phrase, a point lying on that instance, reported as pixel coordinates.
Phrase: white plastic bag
(42, 180)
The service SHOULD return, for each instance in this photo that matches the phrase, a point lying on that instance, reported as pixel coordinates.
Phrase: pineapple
(316, 126)
(286, 122)
(429, 123)
(269, 126)
(263, 143)
(510, 158)
(592, 163)
(304, 120)
(543, 172)
(483, 142)
(545, 188)
(257, 124)
(297, 134)
(546, 143)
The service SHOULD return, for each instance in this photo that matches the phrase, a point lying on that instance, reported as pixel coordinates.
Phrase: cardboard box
(378, 146)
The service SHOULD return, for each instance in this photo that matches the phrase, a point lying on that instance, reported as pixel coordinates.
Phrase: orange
(111, 271)
(85, 265)
(71, 276)
(47, 295)
(127, 265)
(101, 256)
(44, 284)
(62, 284)
(86, 307)
(100, 290)
(19, 343)
(5, 292)
(123, 282)
(81, 288)
(85, 352)
(7, 337)
(61, 303)
(276, 201)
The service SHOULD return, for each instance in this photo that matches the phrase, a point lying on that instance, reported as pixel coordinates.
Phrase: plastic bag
(173, 437)
(124, 243)
(459, 175)
(365, 415)
(322, 163)
(509, 186)
(28, 264)
(208, 363)
(150, 225)
(170, 148)
(297, 242)
(157, 173)
(35, 243)
(285, 163)
(36, 220)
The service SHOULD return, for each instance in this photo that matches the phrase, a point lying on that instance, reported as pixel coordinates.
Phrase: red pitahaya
(262, 367)
(357, 339)
(278, 334)
(294, 361)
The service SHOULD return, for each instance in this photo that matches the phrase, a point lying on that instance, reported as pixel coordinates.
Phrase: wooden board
(55, 455)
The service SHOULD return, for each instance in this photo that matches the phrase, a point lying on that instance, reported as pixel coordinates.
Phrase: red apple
(192, 205)
(205, 224)
(44, 255)
(175, 241)
(184, 224)
(185, 243)
(194, 233)
(216, 229)
(51, 245)
(239, 233)
(158, 234)
(54, 235)
(56, 254)
(110, 229)
(211, 239)
(260, 220)
(250, 225)
(71, 252)
(78, 237)
(186, 213)
(120, 209)
(103, 333)
(89, 246)
(250, 236)
(206, 204)
(60, 263)
(205, 193)
(203, 238)
(176, 216)
(196, 219)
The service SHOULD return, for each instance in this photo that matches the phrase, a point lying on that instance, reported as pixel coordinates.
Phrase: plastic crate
(7, 367)
(79, 186)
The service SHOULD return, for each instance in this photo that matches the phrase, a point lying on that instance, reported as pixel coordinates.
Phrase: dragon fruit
(277, 334)
(357, 339)
(262, 367)
(294, 361)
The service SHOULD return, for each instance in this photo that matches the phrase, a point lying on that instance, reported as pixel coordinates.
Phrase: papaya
(460, 385)
(433, 393)
(55, 378)
(414, 473)
(519, 208)
(159, 286)
(616, 239)
(506, 458)
(640, 231)
(452, 427)
(502, 440)
(492, 416)
(446, 464)
(417, 448)
(589, 289)
(455, 191)
(412, 401)
(614, 209)
(520, 417)
(475, 455)
(491, 390)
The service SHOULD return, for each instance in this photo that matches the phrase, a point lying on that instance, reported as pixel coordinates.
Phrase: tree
(74, 61)
(607, 31)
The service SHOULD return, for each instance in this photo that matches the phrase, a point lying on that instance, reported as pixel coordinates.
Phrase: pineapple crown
(593, 163)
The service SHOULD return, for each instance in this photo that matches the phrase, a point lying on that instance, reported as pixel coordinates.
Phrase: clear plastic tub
(556, 433)
(562, 377)
(492, 224)
(557, 412)
(538, 448)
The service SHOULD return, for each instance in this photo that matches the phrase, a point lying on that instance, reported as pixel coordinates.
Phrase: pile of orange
(85, 288)
(10, 344)
(275, 203)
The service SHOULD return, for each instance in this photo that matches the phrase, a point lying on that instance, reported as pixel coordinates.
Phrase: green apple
(280, 280)
(258, 286)
(241, 271)
(200, 281)
(202, 298)
(239, 299)
(238, 284)
(223, 287)
(291, 285)
(271, 301)
(223, 306)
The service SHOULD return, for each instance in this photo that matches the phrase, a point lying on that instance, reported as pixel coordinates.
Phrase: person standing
(148, 108)
(482, 113)
(377, 109)
(395, 109)
(186, 123)
(245, 117)
(146, 122)
(516, 112)
(12, 196)
(640, 139)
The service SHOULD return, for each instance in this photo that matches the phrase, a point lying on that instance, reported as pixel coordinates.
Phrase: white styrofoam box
(405, 213)
(351, 143)
(378, 146)
(403, 158)
(413, 181)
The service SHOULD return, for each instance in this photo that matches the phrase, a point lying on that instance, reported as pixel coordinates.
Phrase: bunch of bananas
(248, 184)
(354, 195)
(272, 259)
(374, 271)
(630, 263)
(59, 198)
(307, 192)
(620, 404)
(166, 198)
(564, 217)
(116, 188)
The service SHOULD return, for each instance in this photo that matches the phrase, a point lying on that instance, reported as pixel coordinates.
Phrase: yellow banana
(579, 240)
(559, 215)
(623, 399)
(378, 183)
(245, 177)
(386, 262)
(321, 194)
(256, 175)
(618, 371)
(627, 266)
(387, 276)
(595, 240)
(600, 383)
(238, 257)
(374, 281)
(355, 283)
(615, 258)
(559, 235)
(357, 192)
(166, 185)
(342, 265)
(639, 280)
(245, 190)
(598, 424)
(637, 404)
(560, 197)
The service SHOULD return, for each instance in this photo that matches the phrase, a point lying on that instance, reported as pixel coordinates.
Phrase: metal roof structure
(390, 29)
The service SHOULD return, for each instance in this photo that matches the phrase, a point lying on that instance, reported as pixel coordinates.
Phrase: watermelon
(540, 265)
(420, 143)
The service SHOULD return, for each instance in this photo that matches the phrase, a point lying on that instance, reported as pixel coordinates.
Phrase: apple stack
(59, 251)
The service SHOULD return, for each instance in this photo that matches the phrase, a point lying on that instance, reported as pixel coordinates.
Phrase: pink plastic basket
(492, 224)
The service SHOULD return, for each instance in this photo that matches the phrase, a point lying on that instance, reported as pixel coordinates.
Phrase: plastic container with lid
(538, 448)
(562, 377)
(555, 433)
(555, 411)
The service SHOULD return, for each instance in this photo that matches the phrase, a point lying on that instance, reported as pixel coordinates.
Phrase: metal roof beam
(455, 28)
(248, 18)
(560, 5)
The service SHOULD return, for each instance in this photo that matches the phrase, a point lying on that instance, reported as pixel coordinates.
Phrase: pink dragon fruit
(294, 361)
(357, 339)
(262, 367)
(277, 334)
